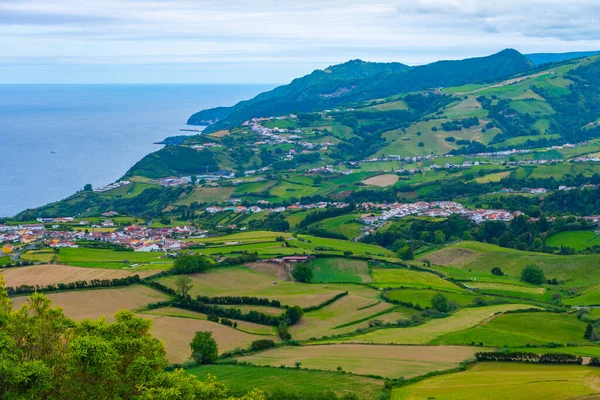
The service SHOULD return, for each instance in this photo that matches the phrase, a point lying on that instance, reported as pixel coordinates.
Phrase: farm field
(382, 180)
(518, 330)
(430, 330)
(50, 274)
(403, 277)
(387, 361)
(297, 380)
(241, 281)
(340, 317)
(423, 297)
(96, 303)
(500, 381)
(110, 259)
(177, 333)
(344, 224)
(340, 270)
(244, 326)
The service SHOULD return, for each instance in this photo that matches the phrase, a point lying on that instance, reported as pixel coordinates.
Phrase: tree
(293, 314)
(406, 253)
(497, 271)
(183, 284)
(283, 331)
(87, 187)
(439, 302)
(439, 237)
(189, 264)
(467, 235)
(589, 331)
(533, 274)
(302, 272)
(204, 348)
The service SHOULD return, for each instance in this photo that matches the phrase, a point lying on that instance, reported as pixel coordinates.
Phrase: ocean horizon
(58, 137)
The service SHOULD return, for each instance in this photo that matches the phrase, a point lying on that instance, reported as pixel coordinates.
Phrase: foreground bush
(45, 355)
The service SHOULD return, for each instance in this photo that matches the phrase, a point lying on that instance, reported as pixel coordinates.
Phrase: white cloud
(280, 33)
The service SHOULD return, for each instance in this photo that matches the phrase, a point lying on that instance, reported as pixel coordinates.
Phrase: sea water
(54, 139)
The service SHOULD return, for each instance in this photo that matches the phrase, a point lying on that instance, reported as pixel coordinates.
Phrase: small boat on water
(52, 152)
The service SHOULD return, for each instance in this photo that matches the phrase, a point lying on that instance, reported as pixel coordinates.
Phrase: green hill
(358, 81)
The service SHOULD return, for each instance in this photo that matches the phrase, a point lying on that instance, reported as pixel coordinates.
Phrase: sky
(267, 41)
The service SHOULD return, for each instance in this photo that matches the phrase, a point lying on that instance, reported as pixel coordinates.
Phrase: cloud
(282, 33)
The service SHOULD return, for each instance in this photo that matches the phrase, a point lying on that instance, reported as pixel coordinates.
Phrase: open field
(344, 224)
(234, 281)
(340, 270)
(95, 303)
(244, 326)
(403, 277)
(501, 381)
(388, 361)
(50, 274)
(110, 259)
(296, 380)
(578, 240)
(517, 330)
(430, 330)
(44, 256)
(590, 296)
(382, 180)
(177, 333)
(482, 257)
(423, 297)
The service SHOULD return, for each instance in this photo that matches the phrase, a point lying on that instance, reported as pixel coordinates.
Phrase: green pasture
(329, 269)
(578, 240)
(501, 381)
(245, 378)
(404, 277)
(518, 330)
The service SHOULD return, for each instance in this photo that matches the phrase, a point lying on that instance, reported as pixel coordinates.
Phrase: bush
(204, 348)
(533, 274)
(302, 272)
(188, 264)
(262, 344)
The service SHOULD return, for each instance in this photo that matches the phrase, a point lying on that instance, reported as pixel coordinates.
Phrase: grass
(293, 380)
(344, 224)
(340, 270)
(578, 240)
(83, 254)
(423, 297)
(429, 331)
(500, 381)
(207, 195)
(402, 277)
(518, 330)
(387, 361)
(44, 256)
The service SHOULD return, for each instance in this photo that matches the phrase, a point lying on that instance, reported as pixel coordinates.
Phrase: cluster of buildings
(138, 238)
(431, 209)
(112, 186)
(257, 209)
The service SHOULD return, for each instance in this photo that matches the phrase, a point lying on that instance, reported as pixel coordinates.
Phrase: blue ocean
(57, 138)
